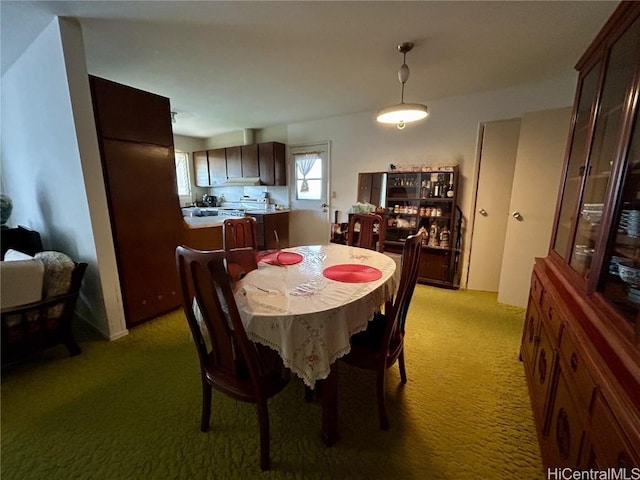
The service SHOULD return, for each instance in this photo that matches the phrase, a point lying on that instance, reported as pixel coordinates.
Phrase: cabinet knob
(517, 216)
(574, 361)
(483, 212)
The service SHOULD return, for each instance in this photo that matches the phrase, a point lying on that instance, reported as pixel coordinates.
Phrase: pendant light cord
(404, 63)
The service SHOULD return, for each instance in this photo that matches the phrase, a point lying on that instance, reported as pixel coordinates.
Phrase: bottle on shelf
(434, 231)
(423, 189)
(445, 235)
(450, 187)
(435, 185)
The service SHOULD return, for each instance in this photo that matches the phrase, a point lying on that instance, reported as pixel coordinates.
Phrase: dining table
(306, 302)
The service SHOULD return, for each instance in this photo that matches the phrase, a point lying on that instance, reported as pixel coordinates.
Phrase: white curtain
(304, 164)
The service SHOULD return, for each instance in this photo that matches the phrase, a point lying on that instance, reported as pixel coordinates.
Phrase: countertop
(217, 221)
(265, 212)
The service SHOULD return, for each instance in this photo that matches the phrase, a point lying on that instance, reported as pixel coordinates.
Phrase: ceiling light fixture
(403, 113)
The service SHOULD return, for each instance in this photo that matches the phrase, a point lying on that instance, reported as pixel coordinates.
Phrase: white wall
(51, 165)
(359, 144)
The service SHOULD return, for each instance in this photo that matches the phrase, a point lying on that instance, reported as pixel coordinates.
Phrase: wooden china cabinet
(581, 339)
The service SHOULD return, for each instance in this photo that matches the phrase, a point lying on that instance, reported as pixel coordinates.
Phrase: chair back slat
(371, 231)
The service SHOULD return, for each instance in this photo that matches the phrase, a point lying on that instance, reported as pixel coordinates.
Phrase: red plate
(280, 258)
(352, 273)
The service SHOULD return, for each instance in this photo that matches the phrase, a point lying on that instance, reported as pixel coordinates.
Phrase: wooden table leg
(330, 407)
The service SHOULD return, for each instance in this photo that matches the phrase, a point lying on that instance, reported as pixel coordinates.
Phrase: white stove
(244, 204)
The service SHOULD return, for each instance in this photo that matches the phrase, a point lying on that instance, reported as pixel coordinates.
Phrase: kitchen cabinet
(266, 161)
(234, 162)
(589, 309)
(137, 154)
(210, 167)
(242, 161)
(201, 168)
(416, 200)
(204, 238)
(272, 163)
(249, 161)
(217, 159)
(267, 224)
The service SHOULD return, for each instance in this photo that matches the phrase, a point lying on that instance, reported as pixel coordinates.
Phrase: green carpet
(130, 409)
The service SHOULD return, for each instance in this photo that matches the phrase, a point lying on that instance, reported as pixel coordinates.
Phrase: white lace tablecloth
(306, 317)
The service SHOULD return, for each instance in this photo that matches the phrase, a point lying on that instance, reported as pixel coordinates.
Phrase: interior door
(541, 149)
(498, 150)
(309, 188)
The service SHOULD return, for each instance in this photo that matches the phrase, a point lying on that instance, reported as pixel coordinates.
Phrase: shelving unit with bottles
(581, 341)
(426, 199)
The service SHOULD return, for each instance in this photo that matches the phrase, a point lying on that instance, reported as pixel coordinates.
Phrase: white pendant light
(403, 113)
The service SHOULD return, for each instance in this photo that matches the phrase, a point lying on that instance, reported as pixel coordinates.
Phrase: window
(182, 174)
(308, 176)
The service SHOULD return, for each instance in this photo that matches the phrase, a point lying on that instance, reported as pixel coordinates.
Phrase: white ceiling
(228, 66)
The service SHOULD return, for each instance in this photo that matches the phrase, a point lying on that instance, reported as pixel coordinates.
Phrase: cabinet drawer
(536, 289)
(576, 370)
(550, 315)
(609, 446)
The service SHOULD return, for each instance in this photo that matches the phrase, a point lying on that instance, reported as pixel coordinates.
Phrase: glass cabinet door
(577, 155)
(606, 139)
(620, 282)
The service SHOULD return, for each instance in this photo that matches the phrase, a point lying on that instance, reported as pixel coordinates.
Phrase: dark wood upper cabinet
(217, 165)
(120, 115)
(234, 162)
(272, 162)
(266, 161)
(201, 168)
(249, 160)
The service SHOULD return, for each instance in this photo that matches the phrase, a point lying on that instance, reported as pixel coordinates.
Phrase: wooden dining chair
(239, 233)
(382, 343)
(370, 232)
(229, 362)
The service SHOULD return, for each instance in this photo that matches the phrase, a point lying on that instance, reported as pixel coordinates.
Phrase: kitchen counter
(265, 212)
(204, 222)
(208, 221)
